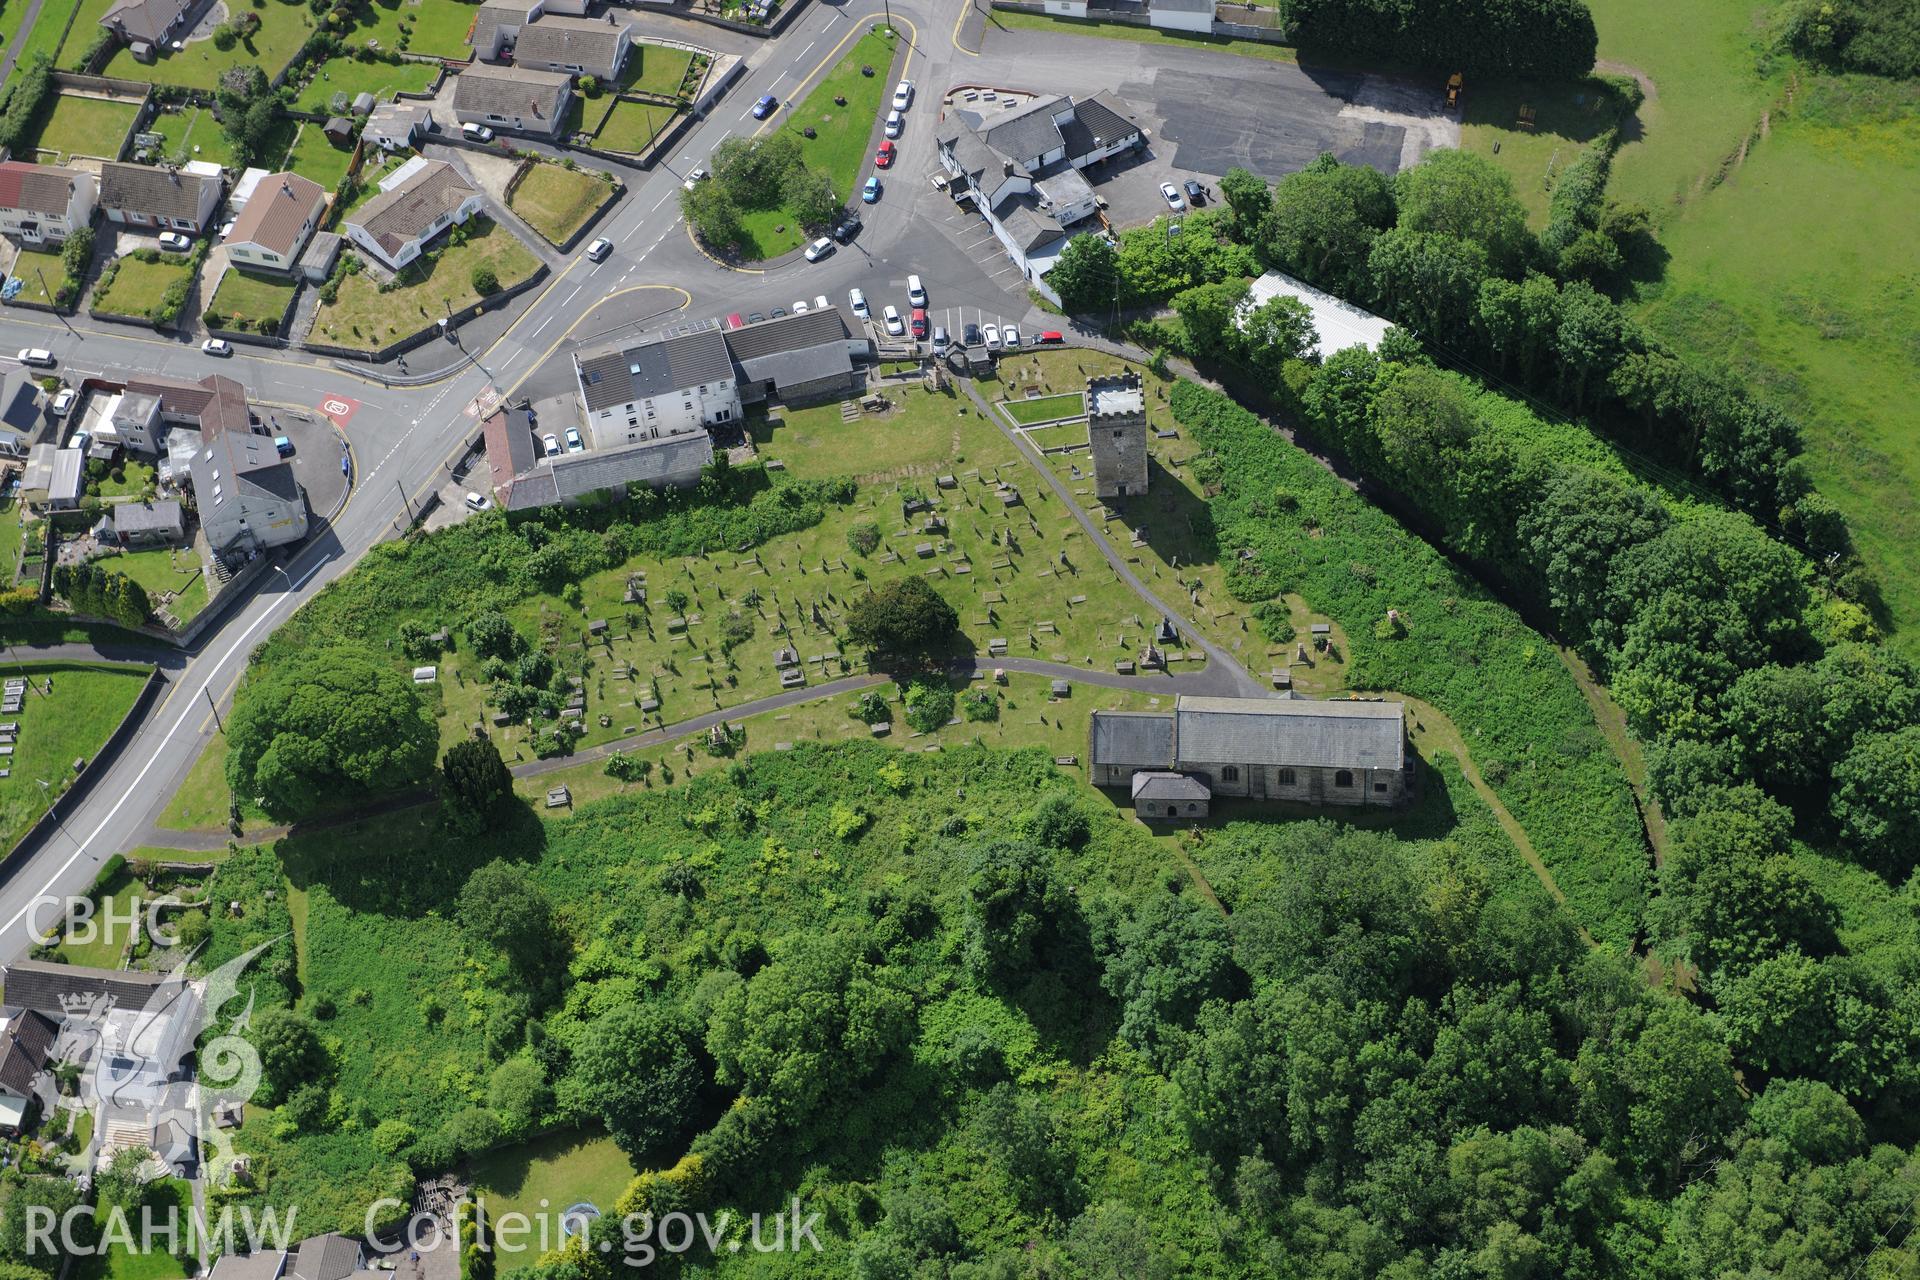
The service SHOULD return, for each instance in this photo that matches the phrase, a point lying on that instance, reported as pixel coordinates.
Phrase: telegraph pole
(43, 285)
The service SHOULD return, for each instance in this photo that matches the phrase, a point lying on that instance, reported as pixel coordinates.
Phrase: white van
(915, 294)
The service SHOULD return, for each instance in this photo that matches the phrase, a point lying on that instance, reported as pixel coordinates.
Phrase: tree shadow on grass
(407, 862)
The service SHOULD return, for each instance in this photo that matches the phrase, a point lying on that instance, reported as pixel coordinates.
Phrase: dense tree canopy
(904, 622)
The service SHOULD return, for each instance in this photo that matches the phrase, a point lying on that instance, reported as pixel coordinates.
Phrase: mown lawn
(631, 127)
(83, 126)
(1044, 408)
(1566, 118)
(86, 703)
(437, 28)
(193, 134)
(283, 29)
(166, 569)
(840, 148)
(352, 78)
(557, 201)
(653, 68)
(137, 286)
(363, 316)
(73, 53)
(313, 156)
(36, 264)
(545, 1177)
(252, 296)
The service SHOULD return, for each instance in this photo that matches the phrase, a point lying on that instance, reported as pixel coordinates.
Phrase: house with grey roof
(44, 203)
(669, 383)
(158, 196)
(261, 1264)
(150, 25)
(418, 201)
(496, 26)
(53, 476)
(398, 125)
(272, 230)
(26, 1047)
(575, 46)
(524, 480)
(810, 355)
(1347, 752)
(326, 1257)
(20, 412)
(145, 524)
(513, 99)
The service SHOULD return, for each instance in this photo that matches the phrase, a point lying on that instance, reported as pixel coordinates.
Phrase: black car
(970, 335)
(755, 318)
(1196, 194)
(779, 313)
(847, 228)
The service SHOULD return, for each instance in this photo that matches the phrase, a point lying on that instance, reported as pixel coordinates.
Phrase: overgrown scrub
(1523, 719)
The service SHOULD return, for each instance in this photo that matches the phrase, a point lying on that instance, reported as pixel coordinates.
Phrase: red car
(919, 322)
(735, 322)
(1051, 335)
(884, 156)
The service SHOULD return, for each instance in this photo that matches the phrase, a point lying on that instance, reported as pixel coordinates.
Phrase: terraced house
(417, 202)
(43, 203)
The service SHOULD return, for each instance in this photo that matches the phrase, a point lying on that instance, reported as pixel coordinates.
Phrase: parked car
(1011, 336)
(970, 335)
(819, 249)
(919, 322)
(871, 192)
(475, 502)
(915, 294)
(1171, 194)
(1049, 337)
(778, 313)
(476, 132)
(903, 95)
(858, 301)
(217, 347)
(754, 317)
(820, 302)
(283, 445)
(895, 122)
(39, 357)
(800, 307)
(892, 316)
(734, 321)
(883, 158)
(764, 108)
(63, 403)
(1196, 194)
(599, 249)
(226, 228)
(574, 443)
(552, 444)
(847, 228)
(939, 341)
(993, 337)
(174, 242)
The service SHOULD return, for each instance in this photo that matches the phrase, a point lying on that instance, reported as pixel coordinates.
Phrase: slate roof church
(1346, 752)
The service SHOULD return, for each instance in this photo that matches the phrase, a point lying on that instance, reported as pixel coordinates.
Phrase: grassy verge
(839, 147)
(557, 201)
(55, 730)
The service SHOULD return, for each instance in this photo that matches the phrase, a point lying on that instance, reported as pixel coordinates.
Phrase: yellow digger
(1453, 91)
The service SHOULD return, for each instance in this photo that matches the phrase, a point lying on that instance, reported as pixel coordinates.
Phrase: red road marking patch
(340, 408)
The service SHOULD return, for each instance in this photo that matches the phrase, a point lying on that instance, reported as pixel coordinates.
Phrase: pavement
(406, 427)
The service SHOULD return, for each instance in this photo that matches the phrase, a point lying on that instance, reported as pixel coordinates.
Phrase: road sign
(340, 408)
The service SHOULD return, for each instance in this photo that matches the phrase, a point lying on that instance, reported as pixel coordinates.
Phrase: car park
(915, 293)
(858, 302)
(63, 403)
(174, 242)
(1171, 194)
(903, 95)
(217, 347)
(870, 193)
(475, 502)
(476, 132)
(939, 341)
(892, 317)
(551, 443)
(894, 124)
(993, 337)
(819, 249)
(1011, 336)
(574, 443)
(919, 322)
(764, 108)
(883, 158)
(599, 249)
(39, 357)
(970, 335)
(1196, 194)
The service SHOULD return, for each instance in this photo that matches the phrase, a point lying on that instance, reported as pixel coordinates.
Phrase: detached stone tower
(1117, 433)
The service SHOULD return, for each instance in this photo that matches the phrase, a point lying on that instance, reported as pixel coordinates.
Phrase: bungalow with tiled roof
(575, 46)
(421, 199)
(158, 196)
(272, 230)
(513, 98)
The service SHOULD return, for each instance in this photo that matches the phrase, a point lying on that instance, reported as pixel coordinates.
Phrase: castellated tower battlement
(1117, 434)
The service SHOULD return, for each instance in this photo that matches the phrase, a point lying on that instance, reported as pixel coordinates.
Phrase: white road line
(570, 297)
(543, 324)
(662, 200)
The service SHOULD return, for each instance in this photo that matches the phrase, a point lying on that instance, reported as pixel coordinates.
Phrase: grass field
(630, 127)
(557, 201)
(1566, 118)
(283, 29)
(86, 703)
(137, 287)
(252, 296)
(345, 75)
(1800, 271)
(363, 315)
(545, 1177)
(312, 156)
(193, 134)
(654, 68)
(166, 569)
(840, 149)
(434, 27)
(84, 126)
(35, 264)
